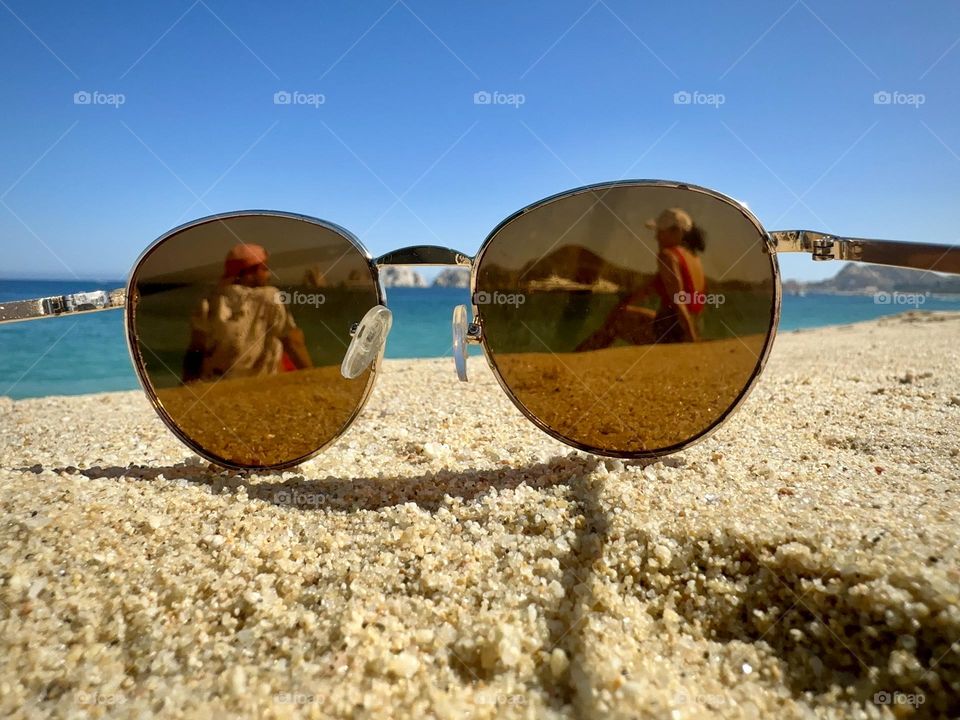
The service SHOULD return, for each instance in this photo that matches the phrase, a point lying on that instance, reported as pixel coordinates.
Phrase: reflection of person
(679, 284)
(242, 328)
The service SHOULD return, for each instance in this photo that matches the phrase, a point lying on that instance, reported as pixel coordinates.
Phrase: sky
(428, 122)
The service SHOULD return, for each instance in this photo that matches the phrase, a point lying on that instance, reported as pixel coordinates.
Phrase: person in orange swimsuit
(679, 283)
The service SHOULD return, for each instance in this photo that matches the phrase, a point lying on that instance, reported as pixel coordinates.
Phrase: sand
(636, 398)
(265, 421)
(446, 559)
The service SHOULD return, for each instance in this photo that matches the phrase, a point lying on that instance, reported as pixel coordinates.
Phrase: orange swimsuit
(695, 298)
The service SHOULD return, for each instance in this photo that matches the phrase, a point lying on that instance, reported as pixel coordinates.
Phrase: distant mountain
(453, 277)
(574, 264)
(574, 267)
(400, 276)
(857, 278)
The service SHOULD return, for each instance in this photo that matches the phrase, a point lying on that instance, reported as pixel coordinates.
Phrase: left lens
(238, 326)
(627, 319)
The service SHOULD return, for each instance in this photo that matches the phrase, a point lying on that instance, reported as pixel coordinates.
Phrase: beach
(445, 558)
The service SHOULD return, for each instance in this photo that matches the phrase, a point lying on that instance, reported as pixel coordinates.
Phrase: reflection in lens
(239, 327)
(627, 319)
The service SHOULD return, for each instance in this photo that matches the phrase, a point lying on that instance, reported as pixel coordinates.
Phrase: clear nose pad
(460, 341)
(368, 341)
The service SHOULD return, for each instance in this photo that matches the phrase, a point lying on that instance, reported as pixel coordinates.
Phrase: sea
(88, 353)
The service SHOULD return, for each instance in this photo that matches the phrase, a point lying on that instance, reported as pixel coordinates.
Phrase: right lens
(627, 319)
(238, 325)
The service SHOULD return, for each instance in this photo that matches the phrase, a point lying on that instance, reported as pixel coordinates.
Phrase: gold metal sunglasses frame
(820, 246)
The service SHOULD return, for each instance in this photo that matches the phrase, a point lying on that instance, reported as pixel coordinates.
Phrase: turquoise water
(88, 353)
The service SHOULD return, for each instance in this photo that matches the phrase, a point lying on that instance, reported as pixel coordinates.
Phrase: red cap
(242, 257)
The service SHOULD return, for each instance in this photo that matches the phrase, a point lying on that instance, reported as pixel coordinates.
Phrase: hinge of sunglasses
(821, 246)
(474, 333)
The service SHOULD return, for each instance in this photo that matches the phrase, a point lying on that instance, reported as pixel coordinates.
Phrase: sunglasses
(628, 319)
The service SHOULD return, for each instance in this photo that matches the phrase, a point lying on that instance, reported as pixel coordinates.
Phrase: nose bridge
(463, 332)
(424, 255)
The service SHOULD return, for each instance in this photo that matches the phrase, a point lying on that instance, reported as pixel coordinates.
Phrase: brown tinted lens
(627, 319)
(239, 326)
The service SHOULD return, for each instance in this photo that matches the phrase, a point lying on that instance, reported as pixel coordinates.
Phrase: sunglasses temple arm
(822, 246)
(56, 305)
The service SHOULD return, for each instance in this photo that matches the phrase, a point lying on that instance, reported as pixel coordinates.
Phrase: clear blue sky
(400, 153)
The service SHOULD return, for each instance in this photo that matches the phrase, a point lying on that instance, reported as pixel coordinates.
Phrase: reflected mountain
(574, 268)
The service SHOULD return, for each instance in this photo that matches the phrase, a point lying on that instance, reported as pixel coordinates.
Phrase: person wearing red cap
(242, 329)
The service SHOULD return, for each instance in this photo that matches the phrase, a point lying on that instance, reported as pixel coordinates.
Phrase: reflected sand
(265, 420)
(637, 398)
